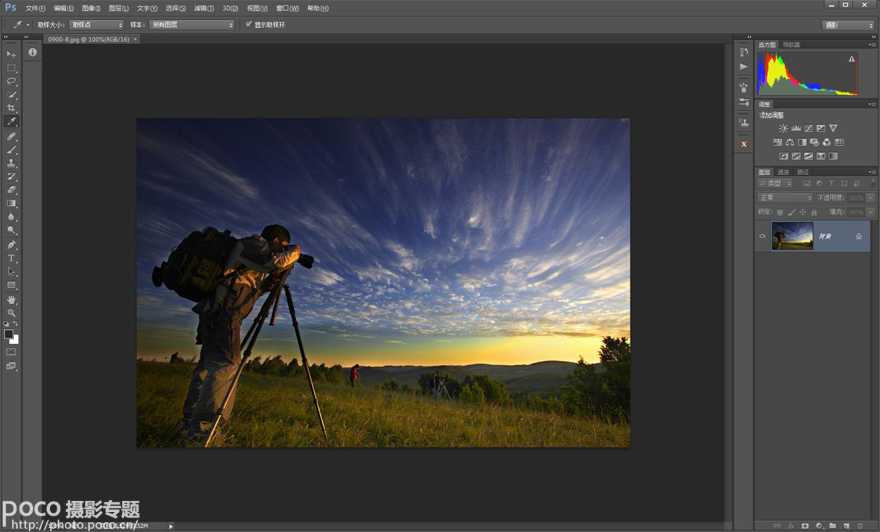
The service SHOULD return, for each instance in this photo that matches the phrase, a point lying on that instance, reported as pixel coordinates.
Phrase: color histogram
(808, 74)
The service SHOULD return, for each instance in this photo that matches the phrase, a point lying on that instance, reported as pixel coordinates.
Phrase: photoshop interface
(384, 264)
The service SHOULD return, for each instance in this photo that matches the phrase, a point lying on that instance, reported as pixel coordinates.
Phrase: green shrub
(542, 403)
(335, 374)
(426, 383)
(390, 386)
(471, 393)
(495, 392)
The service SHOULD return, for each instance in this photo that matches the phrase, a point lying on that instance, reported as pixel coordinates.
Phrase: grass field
(278, 412)
(796, 246)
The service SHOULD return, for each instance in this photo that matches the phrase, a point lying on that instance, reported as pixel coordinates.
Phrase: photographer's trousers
(220, 334)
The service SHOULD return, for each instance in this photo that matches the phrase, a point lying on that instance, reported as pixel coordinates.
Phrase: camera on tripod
(306, 260)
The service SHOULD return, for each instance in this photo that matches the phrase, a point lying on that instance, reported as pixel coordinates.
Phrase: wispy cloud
(223, 177)
(407, 259)
(217, 177)
(325, 277)
(607, 292)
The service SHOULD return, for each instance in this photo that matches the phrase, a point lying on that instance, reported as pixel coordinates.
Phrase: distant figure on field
(355, 375)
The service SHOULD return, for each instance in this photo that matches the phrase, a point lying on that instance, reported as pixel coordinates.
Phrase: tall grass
(278, 412)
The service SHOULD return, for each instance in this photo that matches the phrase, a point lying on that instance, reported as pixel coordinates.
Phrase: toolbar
(14, 54)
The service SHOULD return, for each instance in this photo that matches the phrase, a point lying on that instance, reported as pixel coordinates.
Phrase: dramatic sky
(437, 241)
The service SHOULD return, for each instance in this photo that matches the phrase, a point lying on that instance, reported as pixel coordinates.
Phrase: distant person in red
(355, 375)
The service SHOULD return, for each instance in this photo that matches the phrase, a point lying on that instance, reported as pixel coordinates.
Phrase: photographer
(249, 273)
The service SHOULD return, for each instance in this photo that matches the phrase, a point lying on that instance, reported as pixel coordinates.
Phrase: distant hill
(542, 377)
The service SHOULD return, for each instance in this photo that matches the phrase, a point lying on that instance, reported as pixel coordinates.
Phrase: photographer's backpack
(195, 267)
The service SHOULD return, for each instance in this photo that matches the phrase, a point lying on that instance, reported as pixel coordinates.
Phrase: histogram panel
(808, 74)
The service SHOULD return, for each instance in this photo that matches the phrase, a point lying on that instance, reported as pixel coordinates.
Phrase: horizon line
(165, 359)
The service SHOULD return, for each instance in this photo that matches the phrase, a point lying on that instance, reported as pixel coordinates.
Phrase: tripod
(251, 338)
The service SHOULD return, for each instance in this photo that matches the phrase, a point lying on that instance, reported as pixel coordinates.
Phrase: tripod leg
(274, 311)
(247, 336)
(305, 360)
(251, 339)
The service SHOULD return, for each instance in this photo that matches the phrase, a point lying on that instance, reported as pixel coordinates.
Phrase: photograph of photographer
(383, 282)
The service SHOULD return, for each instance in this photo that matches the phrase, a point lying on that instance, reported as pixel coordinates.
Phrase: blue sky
(437, 241)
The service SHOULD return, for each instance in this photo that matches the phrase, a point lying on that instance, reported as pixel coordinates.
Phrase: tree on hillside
(602, 389)
(293, 367)
(583, 390)
(253, 364)
(616, 357)
(274, 366)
